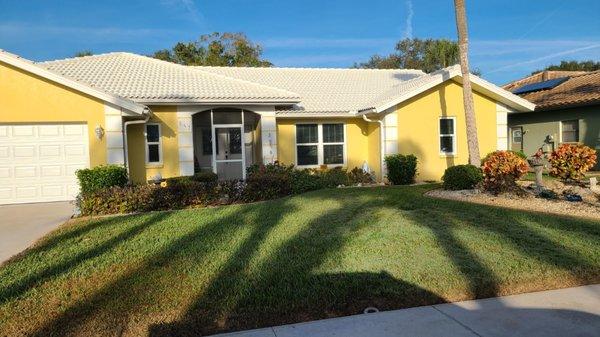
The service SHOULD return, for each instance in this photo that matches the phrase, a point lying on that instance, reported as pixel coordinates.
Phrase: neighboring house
(161, 118)
(567, 110)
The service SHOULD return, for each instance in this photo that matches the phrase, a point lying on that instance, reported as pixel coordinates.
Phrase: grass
(321, 254)
(530, 176)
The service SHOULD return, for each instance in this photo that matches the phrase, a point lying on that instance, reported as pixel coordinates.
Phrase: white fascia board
(453, 72)
(31, 67)
(216, 101)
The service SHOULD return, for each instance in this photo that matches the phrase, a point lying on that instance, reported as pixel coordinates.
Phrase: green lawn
(316, 255)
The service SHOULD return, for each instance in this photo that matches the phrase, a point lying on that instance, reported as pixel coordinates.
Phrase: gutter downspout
(147, 114)
(381, 141)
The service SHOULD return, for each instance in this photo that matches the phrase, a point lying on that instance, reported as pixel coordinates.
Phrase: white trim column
(113, 130)
(502, 126)
(185, 140)
(390, 123)
(268, 134)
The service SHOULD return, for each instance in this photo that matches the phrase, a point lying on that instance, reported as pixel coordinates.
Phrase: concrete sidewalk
(21, 225)
(563, 312)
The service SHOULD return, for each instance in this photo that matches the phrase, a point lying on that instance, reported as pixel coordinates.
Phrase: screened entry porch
(237, 141)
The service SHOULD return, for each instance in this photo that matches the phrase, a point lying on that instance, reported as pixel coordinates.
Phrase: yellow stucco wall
(140, 171)
(28, 98)
(357, 140)
(418, 127)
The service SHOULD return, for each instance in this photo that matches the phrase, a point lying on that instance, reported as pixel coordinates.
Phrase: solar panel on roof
(549, 84)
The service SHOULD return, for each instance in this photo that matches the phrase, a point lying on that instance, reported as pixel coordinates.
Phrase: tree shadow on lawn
(36, 278)
(115, 302)
(286, 286)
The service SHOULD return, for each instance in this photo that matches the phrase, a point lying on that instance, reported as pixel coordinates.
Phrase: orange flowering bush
(571, 161)
(501, 170)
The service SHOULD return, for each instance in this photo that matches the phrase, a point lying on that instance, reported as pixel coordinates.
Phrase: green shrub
(305, 180)
(462, 177)
(333, 177)
(100, 177)
(358, 176)
(501, 170)
(401, 169)
(270, 181)
(570, 161)
(205, 176)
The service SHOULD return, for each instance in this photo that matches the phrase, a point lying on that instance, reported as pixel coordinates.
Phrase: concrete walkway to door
(21, 225)
(563, 312)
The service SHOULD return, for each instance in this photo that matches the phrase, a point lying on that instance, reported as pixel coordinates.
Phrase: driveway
(563, 312)
(21, 225)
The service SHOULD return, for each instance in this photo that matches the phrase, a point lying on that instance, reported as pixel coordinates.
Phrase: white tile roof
(324, 90)
(301, 91)
(148, 80)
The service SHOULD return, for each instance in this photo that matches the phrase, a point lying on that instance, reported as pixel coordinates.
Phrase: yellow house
(161, 120)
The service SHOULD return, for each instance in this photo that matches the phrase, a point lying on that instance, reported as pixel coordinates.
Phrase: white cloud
(538, 60)
(408, 30)
(189, 6)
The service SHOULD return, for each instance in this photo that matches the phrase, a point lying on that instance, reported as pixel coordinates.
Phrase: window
(570, 131)
(447, 135)
(153, 148)
(517, 135)
(318, 144)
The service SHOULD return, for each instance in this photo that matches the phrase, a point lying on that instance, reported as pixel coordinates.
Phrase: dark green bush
(462, 177)
(264, 182)
(358, 176)
(333, 177)
(100, 177)
(305, 180)
(205, 177)
(401, 169)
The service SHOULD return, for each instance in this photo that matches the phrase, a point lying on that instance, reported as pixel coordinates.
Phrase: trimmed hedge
(263, 182)
(401, 169)
(100, 177)
(461, 177)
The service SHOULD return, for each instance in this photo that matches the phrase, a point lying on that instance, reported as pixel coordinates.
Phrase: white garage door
(38, 161)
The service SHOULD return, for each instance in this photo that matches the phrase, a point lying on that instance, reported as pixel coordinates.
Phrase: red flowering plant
(501, 170)
(570, 162)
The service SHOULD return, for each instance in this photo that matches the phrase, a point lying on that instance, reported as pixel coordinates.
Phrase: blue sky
(509, 39)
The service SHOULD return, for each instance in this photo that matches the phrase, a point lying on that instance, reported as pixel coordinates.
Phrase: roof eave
(216, 101)
(454, 72)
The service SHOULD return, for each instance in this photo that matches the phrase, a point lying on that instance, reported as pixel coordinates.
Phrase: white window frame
(453, 135)
(159, 143)
(320, 144)
(560, 130)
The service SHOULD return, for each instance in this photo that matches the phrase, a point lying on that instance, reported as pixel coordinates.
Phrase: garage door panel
(40, 161)
(23, 131)
(49, 150)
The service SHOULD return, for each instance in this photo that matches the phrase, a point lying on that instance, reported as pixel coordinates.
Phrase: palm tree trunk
(463, 45)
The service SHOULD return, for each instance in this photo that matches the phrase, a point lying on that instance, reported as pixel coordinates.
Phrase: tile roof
(324, 90)
(579, 89)
(148, 80)
(539, 77)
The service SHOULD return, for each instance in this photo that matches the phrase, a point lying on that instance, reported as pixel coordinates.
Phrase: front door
(516, 138)
(230, 157)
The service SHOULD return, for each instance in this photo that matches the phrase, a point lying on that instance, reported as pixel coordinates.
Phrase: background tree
(428, 55)
(216, 49)
(83, 53)
(463, 45)
(588, 65)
